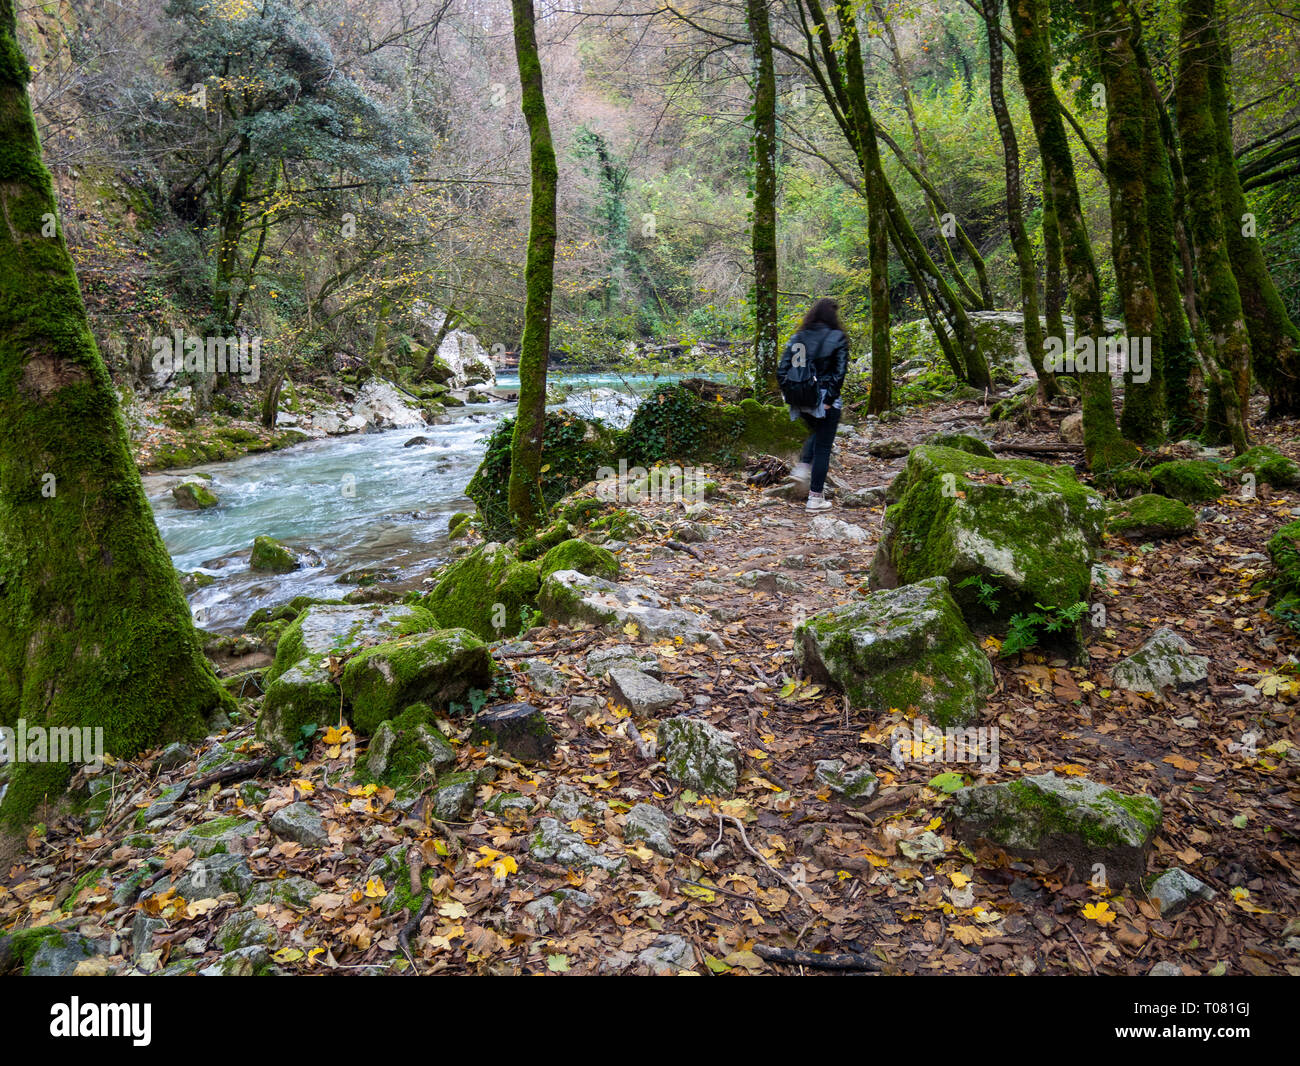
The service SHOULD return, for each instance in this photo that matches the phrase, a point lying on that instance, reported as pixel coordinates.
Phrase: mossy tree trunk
(1274, 339)
(1219, 297)
(863, 126)
(94, 629)
(526, 504)
(992, 10)
(1052, 284)
(763, 232)
(1143, 418)
(843, 86)
(1103, 446)
(1164, 206)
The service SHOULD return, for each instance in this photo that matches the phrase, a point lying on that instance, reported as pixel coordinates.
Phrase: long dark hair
(824, 312)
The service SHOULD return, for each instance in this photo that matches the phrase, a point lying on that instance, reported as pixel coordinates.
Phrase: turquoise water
(359, 502)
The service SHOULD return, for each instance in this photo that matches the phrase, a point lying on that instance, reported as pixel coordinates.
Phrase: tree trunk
(1220, 299)
(94, 630)
(1274, 339)
(766, 341)
(1051, 265)
(1143, 416)
(526, 504)
(1164, 205)
(1104, 448)
(1015, 219)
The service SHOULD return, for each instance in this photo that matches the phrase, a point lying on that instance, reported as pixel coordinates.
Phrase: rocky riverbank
(665, 738)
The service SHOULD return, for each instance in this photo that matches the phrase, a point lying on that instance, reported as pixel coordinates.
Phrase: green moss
(573, 451)
(86, 880)
(674, 423)
(1025, 527)
(486, 592)
(430, 667)
(1284, 550)
(537, 545)
(1149, 517)
(1268, 466)
(1126, 481)
(581, 556)
(269, 554)
(1188, 480)
(192, 496)
(962, 442)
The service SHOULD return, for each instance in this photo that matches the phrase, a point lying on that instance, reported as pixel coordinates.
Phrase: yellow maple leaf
(303, 785)
(1099, 912)
(959, 880)
(375, 889)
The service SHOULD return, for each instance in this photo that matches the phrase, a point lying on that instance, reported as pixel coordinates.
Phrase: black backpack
(799, 386)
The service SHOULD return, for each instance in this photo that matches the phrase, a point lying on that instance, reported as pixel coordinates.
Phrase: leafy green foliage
(985, 593)
(1025, 629)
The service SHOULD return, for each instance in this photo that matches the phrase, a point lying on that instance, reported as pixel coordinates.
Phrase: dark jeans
(817, 448)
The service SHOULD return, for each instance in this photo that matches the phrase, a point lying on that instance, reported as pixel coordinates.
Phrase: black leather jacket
(829, 351)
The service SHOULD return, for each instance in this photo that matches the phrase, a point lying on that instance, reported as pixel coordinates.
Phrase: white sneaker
(802, 473)
(817, 502)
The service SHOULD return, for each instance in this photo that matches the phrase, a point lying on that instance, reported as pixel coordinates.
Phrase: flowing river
(360, 502)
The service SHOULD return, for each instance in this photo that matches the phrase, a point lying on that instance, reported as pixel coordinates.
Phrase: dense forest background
(309, 174)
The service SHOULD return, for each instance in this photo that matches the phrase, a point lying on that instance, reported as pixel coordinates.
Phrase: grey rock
(220, 836)
(294, 891)
(823, 527)
(582, 706)
(302, 823)
(244, 929)
(1164, 660)
(567, 803)
(545, 911)
(699, 756)
(668, 954)
(163, 806)
(174, 755)
(1063, 819)
(1165, 969)
(212, 876)
(452, 798)
(568, 596)
(764, 581)
(599, 661)
(1175, 890)
(242, 962)
(552, 842)
(852, 787)
(900, 647)
(873, 496)
(518, 728)
(888, 448)
(59, 955)
(542, 677)
(648, 823)
(380, 749)
(640, 693)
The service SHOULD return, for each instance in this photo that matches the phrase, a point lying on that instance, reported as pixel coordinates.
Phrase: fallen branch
(241, 772)
(840, 960)
(678, 546)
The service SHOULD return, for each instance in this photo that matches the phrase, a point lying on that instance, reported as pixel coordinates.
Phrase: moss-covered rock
(435, 667)
(1268, 466)
(270, 555)
(406, 747)
(1149, 517)
(194, 496)
(962, 442)
(580, 556)
(539, 544)
(699, 756)
(1284, 551)
(1063, 819)
(1028, 529)
(1189, 480)
(570, 596)
(900, 648)
(490, 592)
(673, 422)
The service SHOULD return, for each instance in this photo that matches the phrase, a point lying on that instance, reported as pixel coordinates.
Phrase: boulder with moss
(490, 592)
(272, 556)
(674, 422)
(300, 687)
(900, 648)
(590, 559)
(1028, 529)
(1163, 661)
(539, 544)
(700, 756)
(570, 596)
(962, 442)
(1149, 517)
(1063, 820)
(194, 496)
(1266, 465)
(1188, 480)
(434, 668)
(1284, 551)
(405, 747)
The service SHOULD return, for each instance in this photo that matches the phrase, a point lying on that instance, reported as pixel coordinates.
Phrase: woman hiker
(811, 375)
